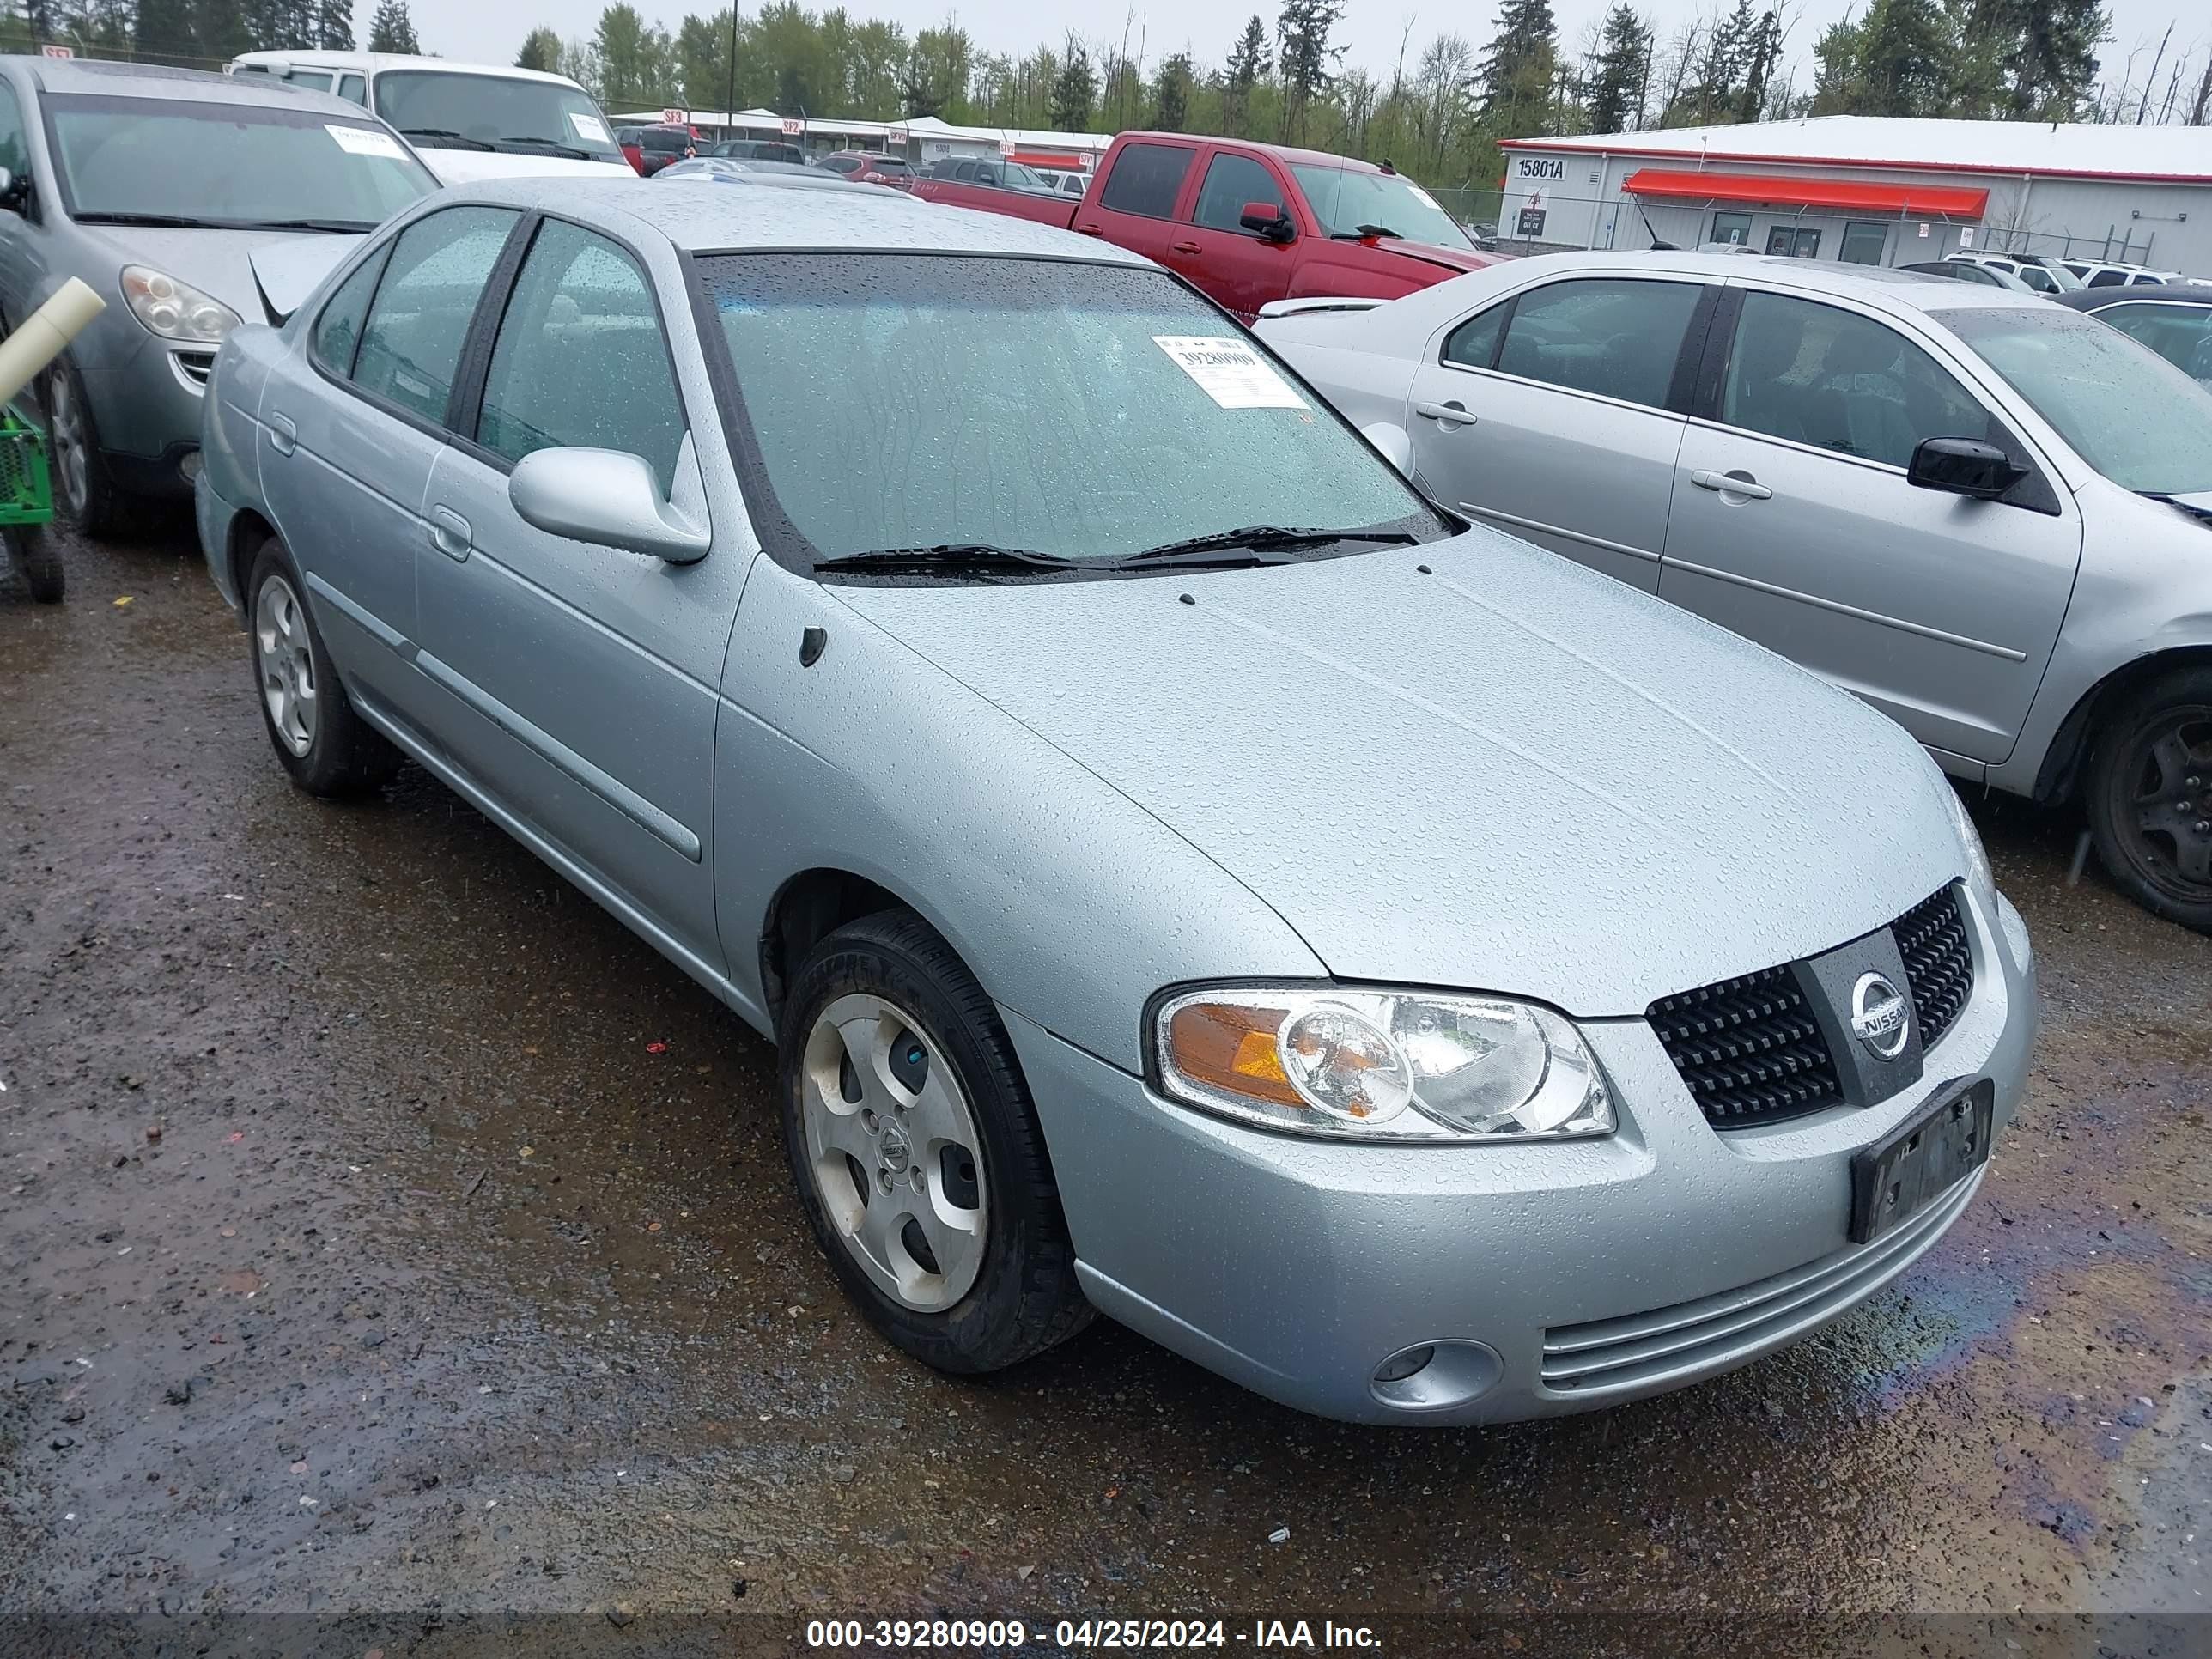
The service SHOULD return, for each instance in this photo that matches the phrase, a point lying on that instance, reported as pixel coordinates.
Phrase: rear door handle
(450, 533)
(283, 436)
(1184, 247)
(1451, 414)
(1733, 484)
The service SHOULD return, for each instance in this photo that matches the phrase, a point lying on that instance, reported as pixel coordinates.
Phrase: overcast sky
(492, 30)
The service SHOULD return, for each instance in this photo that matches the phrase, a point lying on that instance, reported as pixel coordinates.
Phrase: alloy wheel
(893, 1150)
(286, 664)
(2172, 784)
(65, 432)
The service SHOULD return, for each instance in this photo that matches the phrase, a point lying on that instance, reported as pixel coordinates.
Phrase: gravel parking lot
(385, 1227)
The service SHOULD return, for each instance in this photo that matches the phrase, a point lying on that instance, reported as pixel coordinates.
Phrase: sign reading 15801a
(1540, 166)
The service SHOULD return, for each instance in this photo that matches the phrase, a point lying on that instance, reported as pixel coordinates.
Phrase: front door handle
(283, 436)
(450, 533)
(1447, 415)
(1733, 484)
(1091, 230)
(1182, 247)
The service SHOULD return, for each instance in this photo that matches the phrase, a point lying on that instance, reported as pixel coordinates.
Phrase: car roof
(1318, 158)
(772, 215)
(2121, 293)
(114, 80)
(1886, 287)
(372, 62)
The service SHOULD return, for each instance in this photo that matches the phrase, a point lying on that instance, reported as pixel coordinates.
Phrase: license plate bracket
(1896, 1177)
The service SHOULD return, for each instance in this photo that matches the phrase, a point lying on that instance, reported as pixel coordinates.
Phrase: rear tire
(2149, 796)
(919, 1159)
(328, 749)
(39, 557)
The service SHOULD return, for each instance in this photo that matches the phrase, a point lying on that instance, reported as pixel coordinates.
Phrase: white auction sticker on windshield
(366, 141)
(1229, 371)
(589, 128)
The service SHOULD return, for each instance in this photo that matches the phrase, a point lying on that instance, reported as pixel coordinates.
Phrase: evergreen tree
(541, 49)
(1617, 73)
(334, 25)
(1903, 48)
(1171, 89)
(2053, 62)
(1248, 63)
(1836, 85)
(392, 30)
(1304, 57)
(1761, 51)
(1514, 76)
(163, 28)
(1074, 89)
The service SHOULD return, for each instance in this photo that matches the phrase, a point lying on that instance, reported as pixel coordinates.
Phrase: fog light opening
(189, 465)
(1400, 1366)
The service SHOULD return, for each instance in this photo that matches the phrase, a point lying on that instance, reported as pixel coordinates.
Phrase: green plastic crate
(26, 495)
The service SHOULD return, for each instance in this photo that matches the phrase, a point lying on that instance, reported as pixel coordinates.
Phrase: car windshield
(227, 166)
(1343, 200)
(440, 109)
(1084, 412)
(2126, 411)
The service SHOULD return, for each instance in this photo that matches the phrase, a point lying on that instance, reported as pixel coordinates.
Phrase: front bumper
(1667, 1250)
(146, 412)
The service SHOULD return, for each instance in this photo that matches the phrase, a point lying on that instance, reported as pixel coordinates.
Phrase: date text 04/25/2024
(1008, 1634)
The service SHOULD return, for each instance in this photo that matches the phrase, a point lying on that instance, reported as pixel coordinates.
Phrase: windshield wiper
(1361, 232)
(159, 220)
(552, 144)
(446, 135)
(336, 227)
(950, 556)
(1261, 538)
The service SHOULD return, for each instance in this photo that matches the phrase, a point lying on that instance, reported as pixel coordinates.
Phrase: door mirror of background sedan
(1396, 446)
(607, 496)
(1964, 466)
(14, 191)
(1268, 219)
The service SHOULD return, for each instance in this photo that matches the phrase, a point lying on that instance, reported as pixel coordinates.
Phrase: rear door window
(411, 344)
(1147, 179)
(1617, 337)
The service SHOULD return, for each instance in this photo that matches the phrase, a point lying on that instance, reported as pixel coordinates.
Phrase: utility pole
(730, 92)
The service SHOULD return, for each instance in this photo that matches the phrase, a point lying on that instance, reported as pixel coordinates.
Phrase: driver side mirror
(1268, 219)
(1962, 466)
(14, 191)
(1395, 443)
(602, 495)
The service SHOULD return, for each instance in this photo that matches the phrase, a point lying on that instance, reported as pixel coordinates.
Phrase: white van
(468, 121)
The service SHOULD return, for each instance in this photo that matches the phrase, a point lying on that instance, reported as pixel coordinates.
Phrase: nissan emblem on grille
(1881, 1017)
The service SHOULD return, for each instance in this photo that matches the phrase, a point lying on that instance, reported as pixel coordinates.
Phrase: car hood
(469, 167)
(1457, 260)
(227, 263)
(1511, 774)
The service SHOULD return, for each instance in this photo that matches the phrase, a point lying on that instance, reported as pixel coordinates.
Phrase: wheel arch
(805, 910)
(2059, 777)
(248, 530)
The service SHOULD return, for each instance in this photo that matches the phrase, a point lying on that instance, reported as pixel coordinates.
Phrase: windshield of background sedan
(227, 166)
(2127, 411)
(1082, 411)
(1343, 200)
(440, 110)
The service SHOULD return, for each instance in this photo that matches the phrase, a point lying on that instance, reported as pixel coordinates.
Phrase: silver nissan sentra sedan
(1186, 873)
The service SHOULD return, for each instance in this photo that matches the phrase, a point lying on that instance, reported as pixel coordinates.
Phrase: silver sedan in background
(1185, 873)
(1985, 514)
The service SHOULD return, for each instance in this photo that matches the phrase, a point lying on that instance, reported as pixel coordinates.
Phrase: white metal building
(928, 139)
(1873, 189)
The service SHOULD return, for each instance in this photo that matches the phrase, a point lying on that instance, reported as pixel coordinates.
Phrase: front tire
(84, 494)
(2149, 796)
(328, 749)
(917, 1153)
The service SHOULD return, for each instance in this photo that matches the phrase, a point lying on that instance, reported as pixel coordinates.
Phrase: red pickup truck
(1246, 223)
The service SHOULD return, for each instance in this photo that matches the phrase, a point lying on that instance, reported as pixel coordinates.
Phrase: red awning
(1850, 195)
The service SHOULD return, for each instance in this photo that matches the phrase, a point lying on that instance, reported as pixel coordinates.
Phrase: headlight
(1980, 876)
(174, 310)
(1379, 1064)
